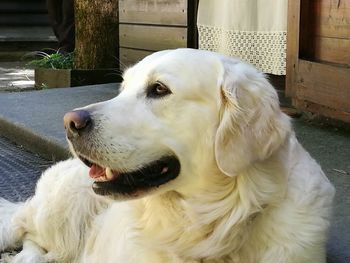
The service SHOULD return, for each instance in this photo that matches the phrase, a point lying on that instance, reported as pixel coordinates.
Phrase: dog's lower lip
(152, 175)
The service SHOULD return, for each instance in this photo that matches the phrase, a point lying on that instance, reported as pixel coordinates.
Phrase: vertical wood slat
(292, 46)
(192, 33)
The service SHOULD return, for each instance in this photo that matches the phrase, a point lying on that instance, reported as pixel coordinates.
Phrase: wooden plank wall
(146, 26)
(318, 59)
(325, 31)
(324, 84)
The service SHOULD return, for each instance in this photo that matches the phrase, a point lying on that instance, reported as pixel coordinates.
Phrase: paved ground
(35, 118)
(14, 76)
(331, 148)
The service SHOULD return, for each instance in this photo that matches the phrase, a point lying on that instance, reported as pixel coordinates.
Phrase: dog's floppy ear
(252, 126)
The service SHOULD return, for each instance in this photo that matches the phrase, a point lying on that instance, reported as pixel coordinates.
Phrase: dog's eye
(157, 90)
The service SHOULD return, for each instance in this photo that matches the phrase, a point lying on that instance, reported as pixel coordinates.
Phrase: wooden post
(96, 29)
(292, 45)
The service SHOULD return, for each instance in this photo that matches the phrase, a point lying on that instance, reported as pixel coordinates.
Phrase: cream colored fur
(247, 192)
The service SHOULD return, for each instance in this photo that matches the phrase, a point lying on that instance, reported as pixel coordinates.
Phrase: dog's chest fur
(219, 221)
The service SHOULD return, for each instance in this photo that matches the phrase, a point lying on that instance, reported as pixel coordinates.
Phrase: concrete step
(17, 42)
(27, 34)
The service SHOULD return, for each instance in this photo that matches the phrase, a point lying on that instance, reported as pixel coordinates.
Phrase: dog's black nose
(75, 122)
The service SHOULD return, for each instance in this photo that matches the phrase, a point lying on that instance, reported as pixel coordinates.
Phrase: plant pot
(61, 78)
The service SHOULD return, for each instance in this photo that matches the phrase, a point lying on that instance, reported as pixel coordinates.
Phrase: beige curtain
(253, 30)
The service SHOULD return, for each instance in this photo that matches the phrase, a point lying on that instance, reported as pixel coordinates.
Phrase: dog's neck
(215, 217)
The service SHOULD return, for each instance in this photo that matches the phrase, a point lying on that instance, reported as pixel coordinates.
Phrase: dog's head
(180, 116)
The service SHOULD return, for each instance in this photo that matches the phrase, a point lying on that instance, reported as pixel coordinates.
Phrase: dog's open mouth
(154, 174)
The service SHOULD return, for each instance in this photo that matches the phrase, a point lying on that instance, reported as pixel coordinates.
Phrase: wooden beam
(292, 46)
(154, 12)
(324, 84)
(333, 50)
(130, 56)
(152, 38)
(321, 110)
(192, 32)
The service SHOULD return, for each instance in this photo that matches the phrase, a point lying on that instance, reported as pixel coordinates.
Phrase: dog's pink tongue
(97, 171)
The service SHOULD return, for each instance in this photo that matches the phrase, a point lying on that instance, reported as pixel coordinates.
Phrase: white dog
(193, 162)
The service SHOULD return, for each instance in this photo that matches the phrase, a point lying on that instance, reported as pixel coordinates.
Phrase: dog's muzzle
(112, 181)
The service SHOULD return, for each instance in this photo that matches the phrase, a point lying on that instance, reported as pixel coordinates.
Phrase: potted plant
(56, 70)
(52, 70)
